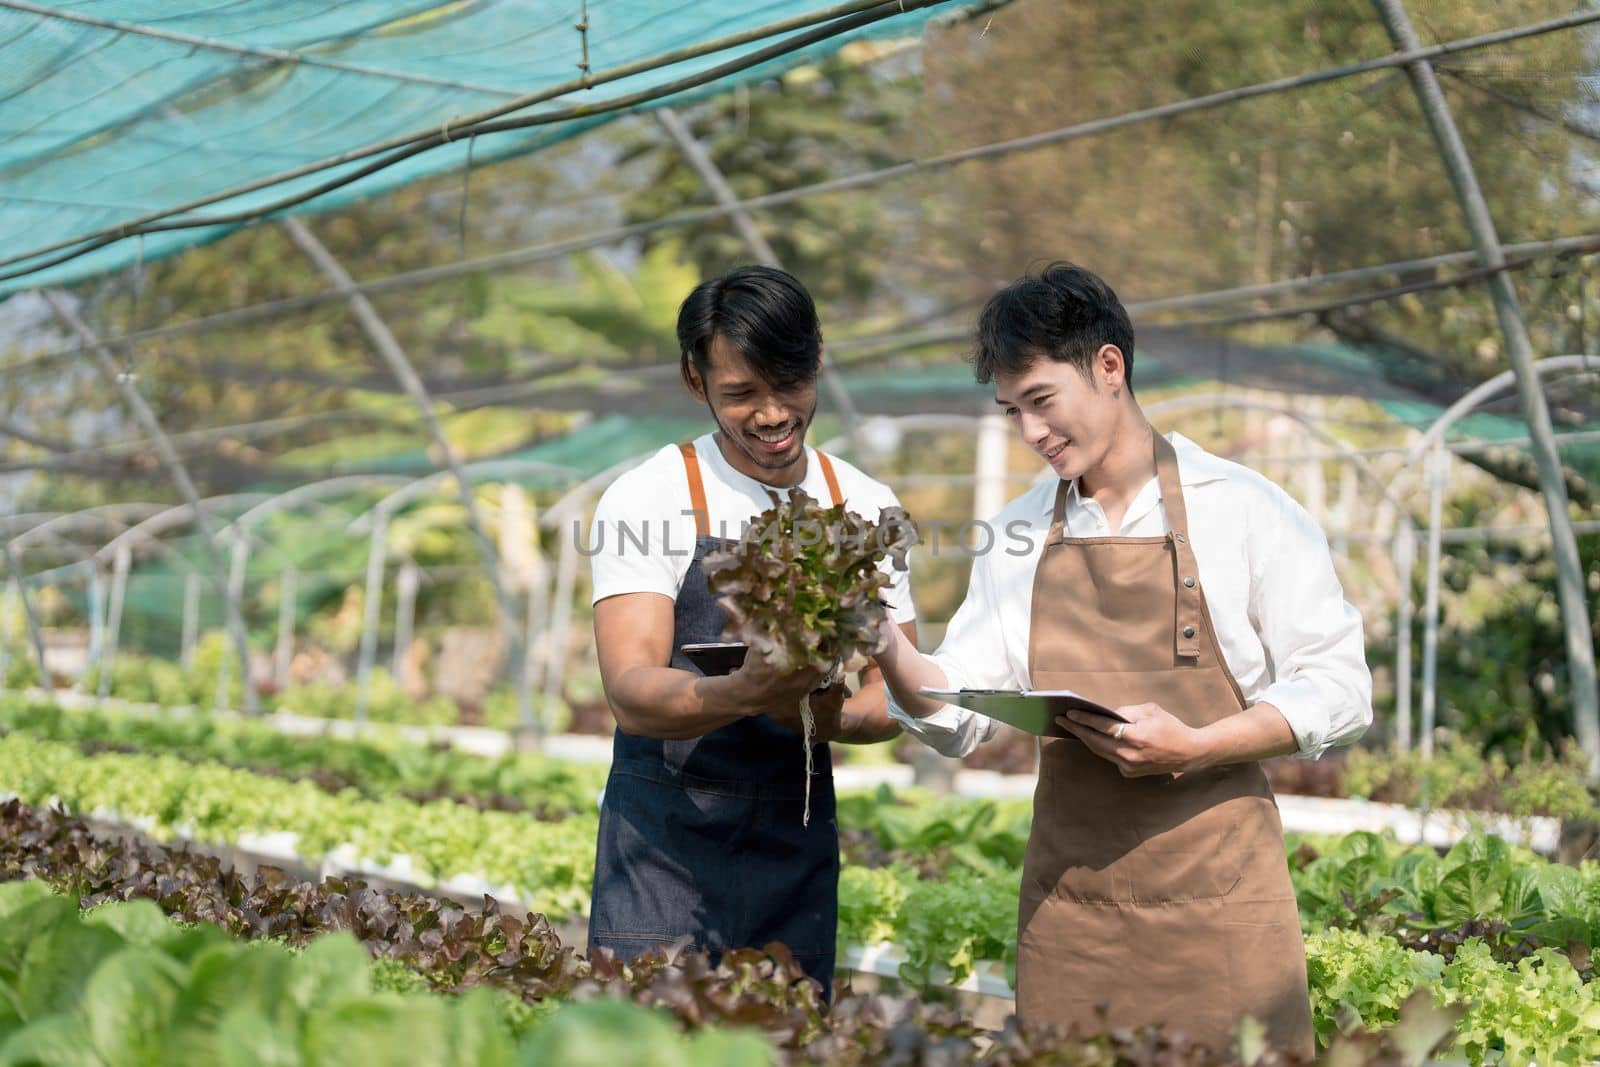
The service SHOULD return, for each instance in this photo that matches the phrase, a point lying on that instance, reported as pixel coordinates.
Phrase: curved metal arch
(902, 423)
(242, 540)
(374, 522)
(59, 572)
(51, 527)
(420, 486)
(100, 513)
(313, 491)
(1504, 382)
(152, 527)
(1431, 445)
(171, 518)
(163, 549)
(1345, 450)
(27, 518)
(245, 540)
(579, 494)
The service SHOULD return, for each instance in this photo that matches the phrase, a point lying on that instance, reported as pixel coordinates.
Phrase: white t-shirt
(642, 538)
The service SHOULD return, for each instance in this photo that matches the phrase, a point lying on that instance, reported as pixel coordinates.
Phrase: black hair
(763, 312)
(1062, 312)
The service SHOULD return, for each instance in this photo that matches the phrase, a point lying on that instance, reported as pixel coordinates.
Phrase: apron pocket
(1198, 859)
(1267, 971)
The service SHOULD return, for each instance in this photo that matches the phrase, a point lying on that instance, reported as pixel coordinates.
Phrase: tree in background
(1298, 183)
(842, 116)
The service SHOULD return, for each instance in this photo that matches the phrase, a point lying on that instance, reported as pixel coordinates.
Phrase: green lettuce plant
(803, 589)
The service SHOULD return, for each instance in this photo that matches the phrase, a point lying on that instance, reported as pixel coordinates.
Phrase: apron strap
(827, 473)
(1186, 574)
(697, 490)
(1058, 516)
(697, 486)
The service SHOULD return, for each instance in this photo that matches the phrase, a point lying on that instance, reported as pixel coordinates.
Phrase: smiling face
(763, 426)
(1071, 419)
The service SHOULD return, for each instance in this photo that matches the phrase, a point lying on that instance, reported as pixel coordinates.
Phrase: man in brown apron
(1155, 888)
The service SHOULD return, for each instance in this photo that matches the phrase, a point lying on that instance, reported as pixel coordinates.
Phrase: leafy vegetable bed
(550, 788)
(548, 866)
(1485, 925)
(125, 985)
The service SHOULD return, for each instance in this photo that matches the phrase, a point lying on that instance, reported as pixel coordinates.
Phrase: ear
(692, 380)
(1110, 368)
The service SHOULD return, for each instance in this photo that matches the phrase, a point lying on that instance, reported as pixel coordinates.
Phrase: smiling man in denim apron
(701, 833)
(1199, 601)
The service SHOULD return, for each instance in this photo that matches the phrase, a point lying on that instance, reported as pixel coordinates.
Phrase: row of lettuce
(1494, 931)
(151, 680)
(124, 985)
(1458, 775)
(165, 957)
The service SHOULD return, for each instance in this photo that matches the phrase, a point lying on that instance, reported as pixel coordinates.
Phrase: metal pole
(1438, 475)
(538, 613)
(369, 613)
(405, 611)
(97, 618)
(1405, 550)
(394, 357)
(1316, 480)
(989, 490)
(175, 468)
(35, 632)
(560, 624)
(1519, 351)
(121, 563)
(706, 168)
(6, 609)
(191, 619)
(283, 653)
(236, 568)
(1348, 487)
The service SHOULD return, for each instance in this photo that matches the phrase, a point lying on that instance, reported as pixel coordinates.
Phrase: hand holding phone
(716, 657)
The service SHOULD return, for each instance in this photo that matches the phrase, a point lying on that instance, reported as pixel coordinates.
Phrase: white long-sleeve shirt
(1287, 633)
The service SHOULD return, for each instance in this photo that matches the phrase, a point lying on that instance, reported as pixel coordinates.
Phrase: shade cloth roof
(115, 110)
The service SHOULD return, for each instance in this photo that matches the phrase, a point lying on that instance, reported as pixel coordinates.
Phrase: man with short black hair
(701, 835)
(1199, 602)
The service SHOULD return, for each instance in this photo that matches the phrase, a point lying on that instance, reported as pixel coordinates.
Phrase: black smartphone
(716, 657)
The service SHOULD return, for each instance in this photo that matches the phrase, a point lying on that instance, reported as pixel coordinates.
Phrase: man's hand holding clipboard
(1037, 711)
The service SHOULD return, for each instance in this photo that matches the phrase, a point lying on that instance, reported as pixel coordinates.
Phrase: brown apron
(1155, 900)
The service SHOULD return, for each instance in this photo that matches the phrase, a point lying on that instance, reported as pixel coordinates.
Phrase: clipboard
(1033, 710)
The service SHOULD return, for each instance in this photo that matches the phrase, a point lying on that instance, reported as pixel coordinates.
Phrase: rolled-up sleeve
(972, 656)
(1311, 634)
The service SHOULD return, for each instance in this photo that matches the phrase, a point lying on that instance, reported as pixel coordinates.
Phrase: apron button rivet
(1189, 581)
(1188, 631)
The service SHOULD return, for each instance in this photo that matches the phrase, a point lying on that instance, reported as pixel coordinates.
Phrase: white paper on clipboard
(1033, 710)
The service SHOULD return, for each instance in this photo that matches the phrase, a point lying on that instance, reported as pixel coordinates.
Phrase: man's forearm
(1257, 733)
(865, 718)
(671, 705)
(907, 671)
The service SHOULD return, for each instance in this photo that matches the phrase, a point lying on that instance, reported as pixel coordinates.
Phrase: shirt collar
(1196, 466)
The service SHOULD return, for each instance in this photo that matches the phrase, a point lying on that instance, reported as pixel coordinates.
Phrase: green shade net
(178, 101)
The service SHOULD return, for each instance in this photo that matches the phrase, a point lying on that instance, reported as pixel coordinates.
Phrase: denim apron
(702, 838)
